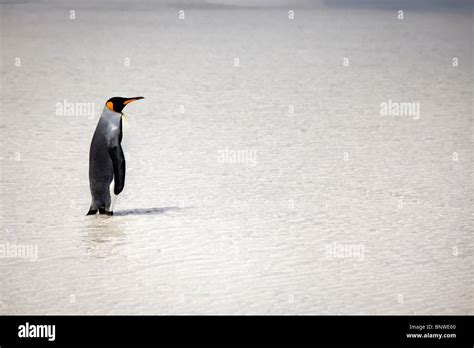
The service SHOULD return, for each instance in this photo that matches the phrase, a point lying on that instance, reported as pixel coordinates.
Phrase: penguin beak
(129, 100)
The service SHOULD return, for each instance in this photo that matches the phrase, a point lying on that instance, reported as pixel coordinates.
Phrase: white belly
(125, 131)
(124, 145)
(113, 196)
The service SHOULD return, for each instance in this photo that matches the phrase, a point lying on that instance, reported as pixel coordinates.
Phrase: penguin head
(116, 104)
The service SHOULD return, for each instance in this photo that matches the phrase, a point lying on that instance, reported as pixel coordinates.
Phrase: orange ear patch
(110, 105)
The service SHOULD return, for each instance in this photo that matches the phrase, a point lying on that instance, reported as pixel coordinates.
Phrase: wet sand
(243, 182)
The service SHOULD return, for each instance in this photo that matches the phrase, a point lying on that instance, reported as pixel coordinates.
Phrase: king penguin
(106, 158)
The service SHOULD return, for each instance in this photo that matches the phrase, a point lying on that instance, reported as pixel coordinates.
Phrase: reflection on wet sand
(103, 236)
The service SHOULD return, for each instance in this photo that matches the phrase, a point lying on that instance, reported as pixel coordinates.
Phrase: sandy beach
(268, 169)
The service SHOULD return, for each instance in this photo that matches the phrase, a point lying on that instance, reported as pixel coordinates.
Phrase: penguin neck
(110, 115)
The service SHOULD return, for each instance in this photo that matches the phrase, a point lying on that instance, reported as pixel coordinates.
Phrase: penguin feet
(92, 212)
(106, 212)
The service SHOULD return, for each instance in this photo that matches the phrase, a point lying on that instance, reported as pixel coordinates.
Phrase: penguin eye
(110, 105)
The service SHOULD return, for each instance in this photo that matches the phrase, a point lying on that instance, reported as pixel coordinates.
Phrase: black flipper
(118, 160)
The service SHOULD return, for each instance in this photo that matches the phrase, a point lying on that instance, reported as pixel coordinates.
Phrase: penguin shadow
(147, 211)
